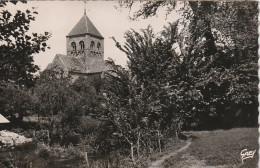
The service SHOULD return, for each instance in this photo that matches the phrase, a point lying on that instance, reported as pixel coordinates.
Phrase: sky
(59, 18)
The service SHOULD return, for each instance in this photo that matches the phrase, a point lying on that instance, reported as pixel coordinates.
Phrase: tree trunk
(138, 144)
(176, 133)
(132, 153)
(201, 10)
(159, 140)
(132, 149)
(86, 158)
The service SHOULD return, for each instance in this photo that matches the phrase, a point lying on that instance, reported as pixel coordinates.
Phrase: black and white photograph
(129, 84)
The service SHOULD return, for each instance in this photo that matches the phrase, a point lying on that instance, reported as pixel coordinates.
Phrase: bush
(16, 102)
(44, 153)
(87, 125)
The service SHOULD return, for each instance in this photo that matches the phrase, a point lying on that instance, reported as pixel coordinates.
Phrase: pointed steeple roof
(85, 26)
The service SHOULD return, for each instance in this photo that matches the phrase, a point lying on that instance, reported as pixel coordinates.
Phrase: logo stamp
(245, 154)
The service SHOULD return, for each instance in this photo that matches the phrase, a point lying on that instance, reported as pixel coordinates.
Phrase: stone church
(85, 51)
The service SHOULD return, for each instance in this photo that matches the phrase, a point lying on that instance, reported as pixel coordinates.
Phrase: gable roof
(85, 26)
(96, 66)
(74, 64)
(71, 63)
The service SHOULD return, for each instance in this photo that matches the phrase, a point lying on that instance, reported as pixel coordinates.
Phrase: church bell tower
(85, 42)
(85, 51)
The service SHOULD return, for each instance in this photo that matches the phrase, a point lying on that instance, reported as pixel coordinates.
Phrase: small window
(92, 44)
(98, 46)
(73, 46)
(82, 45)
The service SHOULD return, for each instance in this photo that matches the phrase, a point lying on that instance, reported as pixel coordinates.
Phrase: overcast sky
(59, 17)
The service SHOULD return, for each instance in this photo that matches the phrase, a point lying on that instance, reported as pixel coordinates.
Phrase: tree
(89, 87)
(162, 90)
(120, 109)
(65, 107)
(18, 46)
(59, 106)
(219, 50)
(15, 102)
(150, 59)
(149, 99)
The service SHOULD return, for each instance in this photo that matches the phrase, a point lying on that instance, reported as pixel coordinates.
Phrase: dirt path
(158, 163)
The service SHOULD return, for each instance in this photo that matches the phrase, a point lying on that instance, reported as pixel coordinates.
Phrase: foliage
(18, 46)
(218, 43)
(134, 110)
(120, 108)
(163, 90)
(68, 109)
(15, 102)
(90, 89)
(146, 101)
(58, 103)
(233, 60)
(148, 8)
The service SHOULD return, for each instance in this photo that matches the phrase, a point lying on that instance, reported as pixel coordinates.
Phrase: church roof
(71, 63)
(67, 62)
(85, 26)
(96, 66)
(74, 64)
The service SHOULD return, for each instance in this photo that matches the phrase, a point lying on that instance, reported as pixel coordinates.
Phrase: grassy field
(217, 149)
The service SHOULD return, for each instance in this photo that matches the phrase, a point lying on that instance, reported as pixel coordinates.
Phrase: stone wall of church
(90, 51)
(79, 52)
(91, 77)
(94, 51)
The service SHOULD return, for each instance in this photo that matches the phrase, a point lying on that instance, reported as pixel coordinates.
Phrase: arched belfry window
(92, 44)
(73, 46)
(98, 46)
(82, 45)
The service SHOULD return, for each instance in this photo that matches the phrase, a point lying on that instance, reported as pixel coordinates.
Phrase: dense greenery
(17, 45)
(63, 104)
(15, 103)
(218, 60)
(211, 82)
(16, 61)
